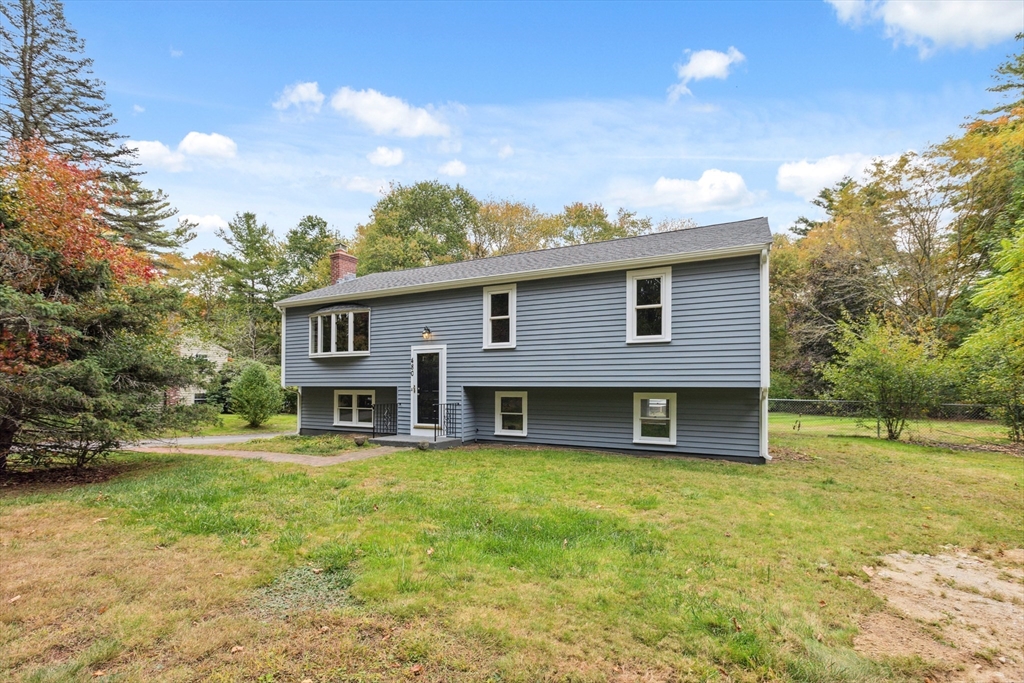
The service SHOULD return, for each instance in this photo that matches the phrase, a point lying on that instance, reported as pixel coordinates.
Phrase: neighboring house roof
(693, 244)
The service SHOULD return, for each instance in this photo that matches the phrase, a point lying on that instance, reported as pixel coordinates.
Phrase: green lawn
(486, 564)
(960, 432)
(235, 424)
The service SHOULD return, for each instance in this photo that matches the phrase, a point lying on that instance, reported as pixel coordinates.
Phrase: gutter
(541, 274)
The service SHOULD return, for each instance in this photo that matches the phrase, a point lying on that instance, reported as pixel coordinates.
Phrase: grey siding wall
(720, 422)
(571, 332)
(318, 406)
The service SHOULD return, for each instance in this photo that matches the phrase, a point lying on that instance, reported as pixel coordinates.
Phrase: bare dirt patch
(962, 612)
(28, 480)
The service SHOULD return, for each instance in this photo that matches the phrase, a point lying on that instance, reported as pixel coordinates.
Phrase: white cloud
(364, 185)
(208, 145)
(704, 64)
(138, 109)
(303, 96)
(386, 156)
(176, 53)
(388, 115)
(930, 25)
(207, 223)
(505, 152)
(454, 168)
(715, 189)
(807, 178)
(156, 153)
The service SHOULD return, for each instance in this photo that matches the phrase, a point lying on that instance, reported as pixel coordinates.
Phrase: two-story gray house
(656, 343)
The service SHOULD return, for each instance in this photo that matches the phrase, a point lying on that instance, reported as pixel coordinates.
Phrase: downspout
(765, 360)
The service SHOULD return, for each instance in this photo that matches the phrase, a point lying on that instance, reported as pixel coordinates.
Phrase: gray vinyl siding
(318, 406)
(722, 422)
(571, 333)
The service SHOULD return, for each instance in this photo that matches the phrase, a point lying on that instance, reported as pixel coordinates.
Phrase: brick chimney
(343, 265)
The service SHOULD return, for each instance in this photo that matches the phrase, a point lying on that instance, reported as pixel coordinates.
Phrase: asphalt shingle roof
(751, 233)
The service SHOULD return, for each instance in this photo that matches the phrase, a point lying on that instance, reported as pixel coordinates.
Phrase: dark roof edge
(540, 274)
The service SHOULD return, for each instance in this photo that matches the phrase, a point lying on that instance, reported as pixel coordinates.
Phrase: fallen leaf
(325, 629)
(318, 570)
(98, 673)
(416, 669)
(728, 535)
(101, 519)
(307, 680)
(821, 603)
(565, 542)
(375, 508)
(245, 542)
(819, 638)
(103, 609)
(736, 625)
(237, 648)
(386, 636)
(15, 598)
(218, 574)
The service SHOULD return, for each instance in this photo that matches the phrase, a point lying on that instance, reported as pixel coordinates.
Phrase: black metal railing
(385, 419)
(447, 423)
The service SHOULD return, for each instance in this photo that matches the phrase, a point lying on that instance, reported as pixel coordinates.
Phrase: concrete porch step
(412, 441)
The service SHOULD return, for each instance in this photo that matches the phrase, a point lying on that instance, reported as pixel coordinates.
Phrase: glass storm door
(427, 385)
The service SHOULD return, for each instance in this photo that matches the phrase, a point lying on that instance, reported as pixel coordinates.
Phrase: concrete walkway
(210, 440)
(308, 460)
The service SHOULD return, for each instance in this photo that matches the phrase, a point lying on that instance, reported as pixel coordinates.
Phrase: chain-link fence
(953, 424)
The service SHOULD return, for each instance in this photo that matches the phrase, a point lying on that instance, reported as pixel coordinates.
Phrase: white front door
(428, 387)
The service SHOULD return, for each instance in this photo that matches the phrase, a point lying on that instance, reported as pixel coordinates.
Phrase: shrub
(254, 395)
(895, 375)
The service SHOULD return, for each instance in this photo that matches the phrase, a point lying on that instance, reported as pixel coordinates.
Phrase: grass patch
(329, 444)
(491, 563)
(230, 425)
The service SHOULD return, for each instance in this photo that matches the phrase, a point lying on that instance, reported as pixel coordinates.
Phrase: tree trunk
(8, 428)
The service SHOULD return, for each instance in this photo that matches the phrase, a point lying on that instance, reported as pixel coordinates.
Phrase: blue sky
(713, 111)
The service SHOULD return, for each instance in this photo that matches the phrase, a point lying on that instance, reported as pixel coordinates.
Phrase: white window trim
(498, 289)
(351, 328)
(673, 410)
(353, 393)
(498, 395)
(665, 273)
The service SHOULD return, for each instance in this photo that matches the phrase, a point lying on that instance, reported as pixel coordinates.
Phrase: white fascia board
(561, 271)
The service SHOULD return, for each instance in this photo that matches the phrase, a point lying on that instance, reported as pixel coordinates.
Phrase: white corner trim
(498, 289)
(284, 347)
(540, 274)
(498, 395)
(765, 322)
(673, 411)
(298, 410)
(665, 273)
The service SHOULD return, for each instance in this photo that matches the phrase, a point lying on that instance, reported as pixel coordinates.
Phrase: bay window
(340, 333)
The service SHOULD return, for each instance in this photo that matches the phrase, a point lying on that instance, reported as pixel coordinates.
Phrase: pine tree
(47, 90)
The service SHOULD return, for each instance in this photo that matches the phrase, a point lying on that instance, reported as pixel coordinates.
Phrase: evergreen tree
(86, 352)
(47, 88)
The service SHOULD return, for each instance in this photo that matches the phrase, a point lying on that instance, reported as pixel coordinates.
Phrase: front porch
(414, 441)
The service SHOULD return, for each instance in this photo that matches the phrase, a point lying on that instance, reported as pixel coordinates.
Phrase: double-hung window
(510, 413)
(500, 317)
(649, 305)
(343, 333)
(654, 418)
(353, 408)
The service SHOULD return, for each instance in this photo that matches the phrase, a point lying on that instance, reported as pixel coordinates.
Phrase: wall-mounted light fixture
(427, 334)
